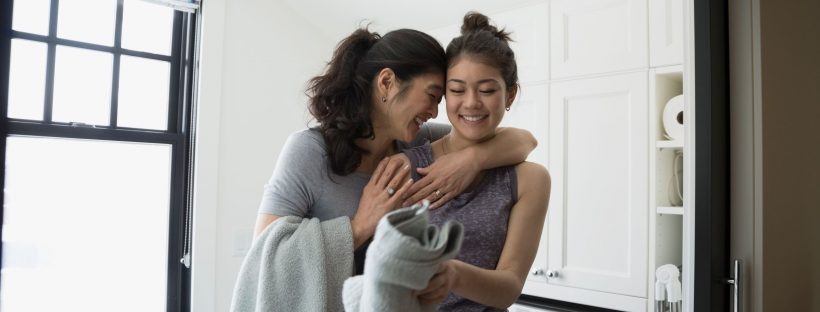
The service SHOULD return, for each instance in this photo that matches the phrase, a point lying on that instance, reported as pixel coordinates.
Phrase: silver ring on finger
(390, 191)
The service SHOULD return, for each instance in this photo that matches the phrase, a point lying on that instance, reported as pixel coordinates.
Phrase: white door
(597, 36)
(599, 165)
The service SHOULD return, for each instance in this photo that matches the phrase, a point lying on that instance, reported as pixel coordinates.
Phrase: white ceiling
(337, 19)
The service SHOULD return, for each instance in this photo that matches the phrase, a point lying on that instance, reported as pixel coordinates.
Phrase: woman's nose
(472, 100)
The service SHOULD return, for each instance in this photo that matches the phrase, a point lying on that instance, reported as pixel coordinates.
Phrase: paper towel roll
(673, 118)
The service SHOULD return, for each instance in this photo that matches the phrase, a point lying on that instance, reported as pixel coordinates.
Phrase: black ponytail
(341, 98)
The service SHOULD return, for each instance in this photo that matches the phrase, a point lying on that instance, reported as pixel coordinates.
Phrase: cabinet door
(599, 164)
(597, 36)
(665, 32)
(529, 29)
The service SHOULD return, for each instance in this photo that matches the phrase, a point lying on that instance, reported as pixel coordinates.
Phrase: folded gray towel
(296, 264)
(404, 255)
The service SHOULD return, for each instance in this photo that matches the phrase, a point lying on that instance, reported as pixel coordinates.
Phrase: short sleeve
(295, 184)
(429, 132)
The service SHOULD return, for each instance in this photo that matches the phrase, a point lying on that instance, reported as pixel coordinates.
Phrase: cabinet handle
(552, 274)
(537, 272)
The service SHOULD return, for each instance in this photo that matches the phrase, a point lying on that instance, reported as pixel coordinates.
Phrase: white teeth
(474, 118)
(419, 121)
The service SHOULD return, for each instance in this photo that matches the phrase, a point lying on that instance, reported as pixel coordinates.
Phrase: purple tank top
(484, 211)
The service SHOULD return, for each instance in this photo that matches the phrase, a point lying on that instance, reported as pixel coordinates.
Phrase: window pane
(27, 79)
(143, 98)
(31, 16)
(89, 21)
(86, 225)
(82, 86)
(147, 27)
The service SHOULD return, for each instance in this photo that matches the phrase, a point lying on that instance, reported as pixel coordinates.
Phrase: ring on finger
(390, 191)
(437, 193)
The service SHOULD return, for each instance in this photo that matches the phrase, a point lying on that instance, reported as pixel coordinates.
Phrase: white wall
(252, 98)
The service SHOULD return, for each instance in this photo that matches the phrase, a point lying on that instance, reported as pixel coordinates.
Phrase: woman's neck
(454, 142)
(375, 149)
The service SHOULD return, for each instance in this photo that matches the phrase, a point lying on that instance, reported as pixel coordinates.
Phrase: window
(96, 138)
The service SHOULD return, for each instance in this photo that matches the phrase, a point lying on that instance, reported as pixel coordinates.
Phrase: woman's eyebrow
(478, 82)
(435, 88)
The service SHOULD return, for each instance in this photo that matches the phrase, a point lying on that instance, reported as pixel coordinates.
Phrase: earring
(508, 108)
(384, 99)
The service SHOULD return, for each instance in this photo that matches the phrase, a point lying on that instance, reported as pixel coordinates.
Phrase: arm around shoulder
(510, 146)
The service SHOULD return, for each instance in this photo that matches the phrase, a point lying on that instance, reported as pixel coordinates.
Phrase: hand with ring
(447, 177)
(384, 192)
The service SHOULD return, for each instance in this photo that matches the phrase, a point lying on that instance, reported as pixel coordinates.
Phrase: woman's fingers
(422, 189)
(421, 182)
(438, 280)
(397, 180)
(431, 302)
(392, 167)
(379, 170)
(401, 192)
(441, 200)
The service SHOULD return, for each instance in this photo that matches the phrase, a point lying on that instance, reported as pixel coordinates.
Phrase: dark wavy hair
(341, 99)
(487, 44)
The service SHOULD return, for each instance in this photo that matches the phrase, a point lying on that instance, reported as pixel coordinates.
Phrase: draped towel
(296, 264)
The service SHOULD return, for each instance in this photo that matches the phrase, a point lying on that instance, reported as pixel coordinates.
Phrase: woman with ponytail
(503, 210)
(372, 101)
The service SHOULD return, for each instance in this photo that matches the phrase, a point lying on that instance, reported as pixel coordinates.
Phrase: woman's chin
(410, 133)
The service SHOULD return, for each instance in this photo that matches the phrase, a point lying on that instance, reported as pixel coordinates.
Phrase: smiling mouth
(419, 121)
(474, 118)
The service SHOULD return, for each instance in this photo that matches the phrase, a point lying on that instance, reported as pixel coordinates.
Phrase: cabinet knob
(537, 272)
(552, 274)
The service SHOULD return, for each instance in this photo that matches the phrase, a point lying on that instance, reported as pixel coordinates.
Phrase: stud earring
(508, 108)
(384, 99)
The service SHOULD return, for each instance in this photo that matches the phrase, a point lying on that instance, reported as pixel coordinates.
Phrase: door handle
(737, 283)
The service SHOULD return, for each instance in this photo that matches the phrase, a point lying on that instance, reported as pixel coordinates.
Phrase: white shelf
(670, 70)
(676, 144)
(674, 210)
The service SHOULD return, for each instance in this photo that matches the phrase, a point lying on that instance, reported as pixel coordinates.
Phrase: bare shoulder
(534, 184)
(532, 176)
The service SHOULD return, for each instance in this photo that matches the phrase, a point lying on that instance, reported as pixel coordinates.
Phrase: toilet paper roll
(673, 118)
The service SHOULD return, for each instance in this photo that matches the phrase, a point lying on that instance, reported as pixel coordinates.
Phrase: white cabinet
(597, 228)
(597, 36)
(599, 164)
(529, 30)
(665, 32)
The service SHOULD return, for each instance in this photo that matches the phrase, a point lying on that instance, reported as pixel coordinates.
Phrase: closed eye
(487, 91)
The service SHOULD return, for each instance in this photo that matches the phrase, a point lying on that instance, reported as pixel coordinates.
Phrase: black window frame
(179, 133)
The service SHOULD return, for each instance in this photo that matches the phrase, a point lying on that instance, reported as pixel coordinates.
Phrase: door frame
(711, 154)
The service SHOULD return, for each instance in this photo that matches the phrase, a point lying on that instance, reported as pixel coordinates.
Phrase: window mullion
(52, 55)
(115, 79)
(176, 73)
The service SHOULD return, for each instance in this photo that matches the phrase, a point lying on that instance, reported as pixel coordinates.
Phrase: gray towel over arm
(404, 255)
(296, 264)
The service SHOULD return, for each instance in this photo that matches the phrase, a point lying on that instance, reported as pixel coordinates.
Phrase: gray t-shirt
(303, 185)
